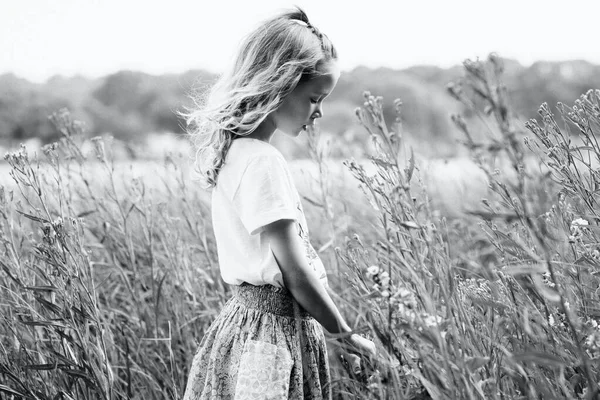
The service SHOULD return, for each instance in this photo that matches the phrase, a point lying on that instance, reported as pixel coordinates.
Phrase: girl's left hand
(353, 348)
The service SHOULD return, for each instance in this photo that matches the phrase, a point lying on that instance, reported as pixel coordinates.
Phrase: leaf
(545, 291)
(325, 246)
(48, 305)
(80, 374)
(590, 148)
(85, 213)
(66, 363)
(382, 163)
(432, 389)
(489, 303)
(44, 323)
(539, 358)
(6, 389)
(311, 201)
(409, 225)
(64, 395)
(8, 272)
(42, 288)
(411, 166)
(526, 324)
(474, 363)
(159, 291)
(490, 216)
(33, 217)
(38, 367)
(525, 269)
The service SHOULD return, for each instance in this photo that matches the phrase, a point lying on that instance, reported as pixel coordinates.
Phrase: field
(477, 278)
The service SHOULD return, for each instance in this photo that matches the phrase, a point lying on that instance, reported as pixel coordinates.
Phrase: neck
(264, 131)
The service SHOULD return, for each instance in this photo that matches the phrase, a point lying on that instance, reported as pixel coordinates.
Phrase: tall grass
(108, 281)
(520, 322)
(105, 284)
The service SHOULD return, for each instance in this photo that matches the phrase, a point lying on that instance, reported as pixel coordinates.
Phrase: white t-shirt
(255, 188)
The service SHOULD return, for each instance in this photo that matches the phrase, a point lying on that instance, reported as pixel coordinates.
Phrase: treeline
(130, 105)
(127, 104)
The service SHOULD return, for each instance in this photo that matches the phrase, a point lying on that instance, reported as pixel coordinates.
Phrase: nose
(318, 112)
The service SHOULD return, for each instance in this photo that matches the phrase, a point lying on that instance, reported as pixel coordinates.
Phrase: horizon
(92, 39)
(347, 70)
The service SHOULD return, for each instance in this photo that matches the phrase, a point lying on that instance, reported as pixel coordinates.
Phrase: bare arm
(299, 277)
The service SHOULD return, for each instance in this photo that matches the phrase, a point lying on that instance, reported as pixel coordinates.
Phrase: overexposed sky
(41, 38)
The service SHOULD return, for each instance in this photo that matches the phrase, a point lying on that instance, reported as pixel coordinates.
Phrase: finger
(369, 349)
(352, 361)
(355, 363)
(373, 350)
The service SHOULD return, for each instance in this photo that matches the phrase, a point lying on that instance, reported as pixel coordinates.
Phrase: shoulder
(254, 146)
(252, 153)
(252, 161)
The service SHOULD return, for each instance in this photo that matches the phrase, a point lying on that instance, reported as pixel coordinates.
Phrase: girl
(268, 341)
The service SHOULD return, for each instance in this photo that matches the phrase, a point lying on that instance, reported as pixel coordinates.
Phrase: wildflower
(406, 314)
(49, 234)
(546, 278)
(592, 344)
(384, 280)
(17, 159)
(551, 321)
(547, 216)
(48, 148)
(372, 271)
(57, 223)
(374, 381)
(406, 370)
(577, 226)
(407, 298)
(99, 147)
(475, 289)
(579, 222)
(432, 320)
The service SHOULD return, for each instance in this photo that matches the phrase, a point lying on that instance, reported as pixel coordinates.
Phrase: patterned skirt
(262, 345)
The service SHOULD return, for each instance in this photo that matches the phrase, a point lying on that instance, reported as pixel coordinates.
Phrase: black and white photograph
(320, 200)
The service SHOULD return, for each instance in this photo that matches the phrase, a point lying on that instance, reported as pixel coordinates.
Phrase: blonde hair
(271, 61)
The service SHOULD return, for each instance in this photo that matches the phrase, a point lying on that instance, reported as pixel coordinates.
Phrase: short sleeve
(265, 193)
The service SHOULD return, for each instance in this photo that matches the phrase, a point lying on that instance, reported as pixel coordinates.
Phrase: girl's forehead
(325, 82)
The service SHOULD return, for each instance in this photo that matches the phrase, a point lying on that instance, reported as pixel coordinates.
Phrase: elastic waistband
(269, 298)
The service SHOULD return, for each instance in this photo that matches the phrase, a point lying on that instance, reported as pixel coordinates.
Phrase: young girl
(268, 341)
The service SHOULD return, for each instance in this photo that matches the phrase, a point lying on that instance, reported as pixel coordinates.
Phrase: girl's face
(305, 103)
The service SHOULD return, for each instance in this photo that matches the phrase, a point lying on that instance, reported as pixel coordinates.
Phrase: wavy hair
(271, 61)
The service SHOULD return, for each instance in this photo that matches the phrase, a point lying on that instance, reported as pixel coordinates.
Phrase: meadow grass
(109, 278)
(516, 322)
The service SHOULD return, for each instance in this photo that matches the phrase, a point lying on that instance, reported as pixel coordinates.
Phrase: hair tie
(318, 34)
(314, 30)
(308, 25)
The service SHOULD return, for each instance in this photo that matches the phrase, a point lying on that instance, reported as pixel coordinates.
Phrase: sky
(42, 38)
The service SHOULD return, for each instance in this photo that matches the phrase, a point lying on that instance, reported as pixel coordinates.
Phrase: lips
(310, 125)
